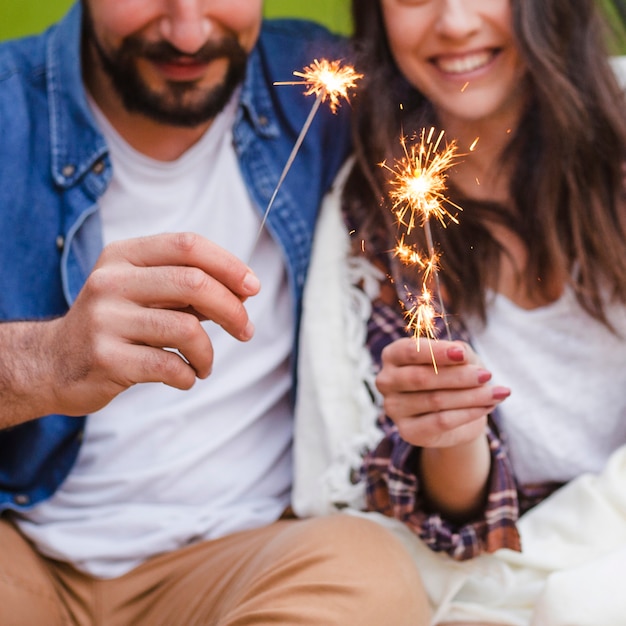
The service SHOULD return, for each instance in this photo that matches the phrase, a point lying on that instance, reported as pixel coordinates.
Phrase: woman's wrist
(455, 478)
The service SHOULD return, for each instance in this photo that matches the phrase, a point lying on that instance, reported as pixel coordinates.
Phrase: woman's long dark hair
(566, 158)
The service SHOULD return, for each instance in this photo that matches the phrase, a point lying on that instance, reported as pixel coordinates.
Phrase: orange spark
(409, 256)
(417, 194)
(328, 80)
(421, 319)
(420, 180)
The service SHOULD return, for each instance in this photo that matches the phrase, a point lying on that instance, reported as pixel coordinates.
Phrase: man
(145, 376)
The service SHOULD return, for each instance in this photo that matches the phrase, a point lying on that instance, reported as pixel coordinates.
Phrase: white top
(574, 555)
(567, 372)
(159, 467)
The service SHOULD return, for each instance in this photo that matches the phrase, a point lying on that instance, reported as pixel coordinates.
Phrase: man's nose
(186, 25)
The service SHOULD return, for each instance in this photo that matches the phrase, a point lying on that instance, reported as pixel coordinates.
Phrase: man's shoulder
(23, 59)
(296, 28)
(298, 41)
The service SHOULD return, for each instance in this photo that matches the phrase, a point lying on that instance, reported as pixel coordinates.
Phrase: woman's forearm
(455, 479)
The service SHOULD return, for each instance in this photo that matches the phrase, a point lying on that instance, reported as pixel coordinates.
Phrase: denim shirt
(54, 166)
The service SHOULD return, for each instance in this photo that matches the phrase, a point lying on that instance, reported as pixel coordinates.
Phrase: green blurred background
(24, 17)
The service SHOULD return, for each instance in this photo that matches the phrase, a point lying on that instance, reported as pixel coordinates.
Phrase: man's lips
(181, 69)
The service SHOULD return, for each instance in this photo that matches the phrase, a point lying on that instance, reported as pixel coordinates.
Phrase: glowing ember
(409, 256)
(328, 80)
(420, 181)
(417, 194)
(421, 320)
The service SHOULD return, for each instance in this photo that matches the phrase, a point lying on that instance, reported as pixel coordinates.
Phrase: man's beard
(181, 103)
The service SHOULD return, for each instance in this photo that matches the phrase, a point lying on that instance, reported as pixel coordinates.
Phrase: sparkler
(417, 195)
(422, 319)
(327, 80)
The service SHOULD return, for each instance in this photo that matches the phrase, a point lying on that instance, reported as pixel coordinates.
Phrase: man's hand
(143, 296)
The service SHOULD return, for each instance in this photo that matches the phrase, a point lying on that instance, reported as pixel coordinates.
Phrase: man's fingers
(145, 364)
(191, 250)
(176, 330)
(176, 288)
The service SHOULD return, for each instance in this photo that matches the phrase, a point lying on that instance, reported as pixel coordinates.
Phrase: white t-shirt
(159, 467)
(567, 373)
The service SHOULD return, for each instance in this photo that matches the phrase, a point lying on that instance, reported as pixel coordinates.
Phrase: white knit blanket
(572, 571)
(335, 417)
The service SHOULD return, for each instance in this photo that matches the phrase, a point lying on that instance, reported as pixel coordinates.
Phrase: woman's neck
(482, 174)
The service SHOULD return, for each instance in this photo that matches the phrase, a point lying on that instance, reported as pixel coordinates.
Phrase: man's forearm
(25, 384)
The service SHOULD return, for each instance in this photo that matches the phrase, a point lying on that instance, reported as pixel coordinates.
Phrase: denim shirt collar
(256, 100)
(77, 144)
(79, 153)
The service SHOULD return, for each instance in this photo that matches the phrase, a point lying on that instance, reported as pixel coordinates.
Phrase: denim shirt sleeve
(50, 172)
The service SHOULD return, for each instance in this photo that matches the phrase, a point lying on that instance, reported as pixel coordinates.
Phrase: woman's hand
(441, 407)
(444, 412)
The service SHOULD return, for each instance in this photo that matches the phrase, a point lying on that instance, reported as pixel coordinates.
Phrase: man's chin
(182, 117)
(182, 103)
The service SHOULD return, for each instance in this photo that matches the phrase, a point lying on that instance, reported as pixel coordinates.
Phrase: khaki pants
(338, 570)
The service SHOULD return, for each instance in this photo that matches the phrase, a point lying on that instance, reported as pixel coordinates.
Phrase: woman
(533, 278)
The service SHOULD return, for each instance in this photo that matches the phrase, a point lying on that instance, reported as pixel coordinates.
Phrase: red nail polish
(456, 354)
(483, 376)
(500, 393)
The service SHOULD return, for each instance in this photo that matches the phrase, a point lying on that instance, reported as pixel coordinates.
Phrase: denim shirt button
(68, 170)
(98, 167)
(263, 120)
(60, 242)
(21, 499)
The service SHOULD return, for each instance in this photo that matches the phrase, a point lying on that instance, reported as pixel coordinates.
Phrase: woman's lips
(464, 64)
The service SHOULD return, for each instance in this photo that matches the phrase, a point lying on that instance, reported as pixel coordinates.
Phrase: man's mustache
(164, 52)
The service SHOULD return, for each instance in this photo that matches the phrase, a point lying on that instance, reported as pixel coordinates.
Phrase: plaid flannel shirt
(390, 470)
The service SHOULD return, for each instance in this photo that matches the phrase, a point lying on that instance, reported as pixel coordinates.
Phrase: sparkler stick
(328, 80)
(422, 319)
(418, 195)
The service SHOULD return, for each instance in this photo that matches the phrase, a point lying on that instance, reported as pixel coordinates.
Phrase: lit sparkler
(422, 321)
(409, 256)
(327, 80)
(417, 195)
(420, 182)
